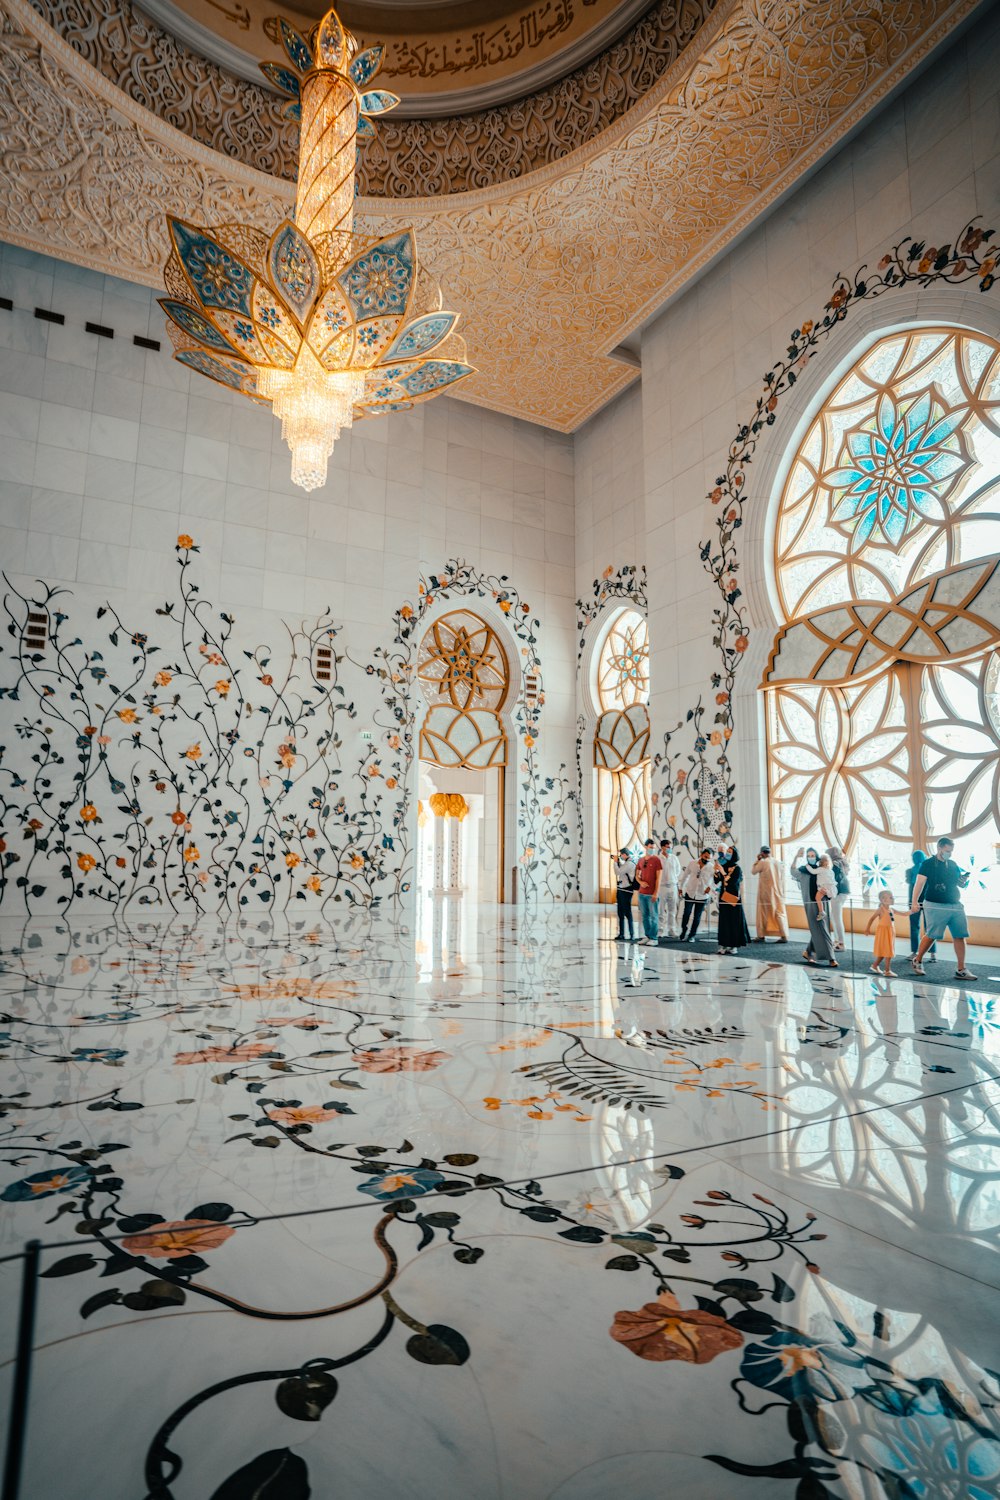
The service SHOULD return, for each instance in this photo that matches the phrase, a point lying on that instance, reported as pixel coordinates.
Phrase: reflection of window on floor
(621, 742)
(884, 733)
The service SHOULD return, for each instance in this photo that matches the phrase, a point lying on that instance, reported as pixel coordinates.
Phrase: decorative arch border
(621, 587)
(502, 606)
(912, 264)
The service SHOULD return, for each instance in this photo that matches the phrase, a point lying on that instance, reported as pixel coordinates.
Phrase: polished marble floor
(481, 1206)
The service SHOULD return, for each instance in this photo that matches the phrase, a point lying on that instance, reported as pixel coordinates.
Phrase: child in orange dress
(883, 921)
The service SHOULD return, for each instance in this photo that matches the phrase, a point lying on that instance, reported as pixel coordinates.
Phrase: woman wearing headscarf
(733, 931)
(916, 867)
(841, 875)
(806, 871)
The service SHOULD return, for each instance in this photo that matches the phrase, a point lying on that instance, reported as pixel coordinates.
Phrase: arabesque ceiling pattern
(443, 55)
(551, 271)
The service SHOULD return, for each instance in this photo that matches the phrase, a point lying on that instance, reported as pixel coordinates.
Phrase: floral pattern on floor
(423, 1183)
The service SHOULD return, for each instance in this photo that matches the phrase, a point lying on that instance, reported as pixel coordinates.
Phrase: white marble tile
(106, 521)
(103, 563)
(454, 1150)
(206, 457)
(51, 557)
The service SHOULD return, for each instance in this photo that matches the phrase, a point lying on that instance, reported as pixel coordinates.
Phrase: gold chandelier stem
(324, 199)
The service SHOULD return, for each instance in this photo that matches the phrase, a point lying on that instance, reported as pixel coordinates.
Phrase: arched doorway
(883, 730)
(464, 675)
(621, 742)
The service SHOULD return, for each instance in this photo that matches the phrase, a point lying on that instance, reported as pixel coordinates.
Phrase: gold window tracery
(882, 727)
(464, 675)
(621, 742)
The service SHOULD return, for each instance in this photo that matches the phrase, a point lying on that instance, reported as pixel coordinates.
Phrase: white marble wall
(108, 452)
(928, 163)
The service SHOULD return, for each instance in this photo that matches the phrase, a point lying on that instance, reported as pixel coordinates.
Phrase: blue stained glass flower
(876, 872)
(896, 468)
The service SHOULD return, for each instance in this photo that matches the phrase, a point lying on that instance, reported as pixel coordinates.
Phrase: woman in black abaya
(733, 930)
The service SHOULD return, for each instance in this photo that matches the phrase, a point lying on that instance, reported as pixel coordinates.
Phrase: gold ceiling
(552, 270)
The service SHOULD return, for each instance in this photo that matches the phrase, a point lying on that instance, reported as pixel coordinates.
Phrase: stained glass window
(621, 742)
(623, 662)
(896, 479)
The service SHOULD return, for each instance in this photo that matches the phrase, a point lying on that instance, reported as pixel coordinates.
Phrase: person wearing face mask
(669, 888)
(806, 870)
(696, 887)
(733, 932)
(625, 884)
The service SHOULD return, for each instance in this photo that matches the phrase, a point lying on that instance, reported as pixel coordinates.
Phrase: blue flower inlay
(196, 324)
(366, 65)
(44, 1184)
(411, 1184)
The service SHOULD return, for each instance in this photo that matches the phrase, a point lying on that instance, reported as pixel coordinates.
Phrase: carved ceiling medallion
(555, 269)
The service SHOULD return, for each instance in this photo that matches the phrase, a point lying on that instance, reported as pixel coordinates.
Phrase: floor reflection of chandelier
(325, 324)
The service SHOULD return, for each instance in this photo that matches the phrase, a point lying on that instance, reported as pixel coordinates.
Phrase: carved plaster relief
(88, 175)
(550, 274)
(488, 144)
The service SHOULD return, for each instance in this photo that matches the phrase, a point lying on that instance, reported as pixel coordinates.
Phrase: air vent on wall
(532, 687)
(36, 631)
(323, 669)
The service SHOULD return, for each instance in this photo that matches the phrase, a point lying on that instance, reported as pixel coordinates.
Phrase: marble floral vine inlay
(174, 765)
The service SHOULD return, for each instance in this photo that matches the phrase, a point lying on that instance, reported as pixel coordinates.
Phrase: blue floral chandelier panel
(324, 324)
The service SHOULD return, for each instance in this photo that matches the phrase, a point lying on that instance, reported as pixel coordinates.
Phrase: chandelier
(325, 324)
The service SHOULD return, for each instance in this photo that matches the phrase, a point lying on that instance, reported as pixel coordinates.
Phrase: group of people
(673, 896)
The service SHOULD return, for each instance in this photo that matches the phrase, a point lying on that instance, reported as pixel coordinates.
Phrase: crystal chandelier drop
(325, 324)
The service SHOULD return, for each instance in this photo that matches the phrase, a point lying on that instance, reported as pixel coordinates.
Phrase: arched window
(621, 741)
(882, 719)
(464, 676)
(463, 673)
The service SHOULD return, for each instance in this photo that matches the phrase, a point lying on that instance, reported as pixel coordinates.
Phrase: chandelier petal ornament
(324, 324)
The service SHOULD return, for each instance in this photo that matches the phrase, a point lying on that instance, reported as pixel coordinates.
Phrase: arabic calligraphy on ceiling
(415, 158)
(483, 51)
(551, 273)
